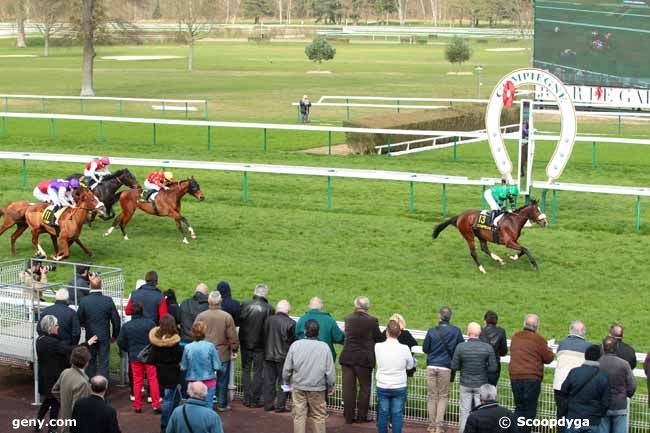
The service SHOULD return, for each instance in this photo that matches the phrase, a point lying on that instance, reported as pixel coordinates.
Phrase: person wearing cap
(158, 180)
(60, 194)
(305, 108)
(97, 169)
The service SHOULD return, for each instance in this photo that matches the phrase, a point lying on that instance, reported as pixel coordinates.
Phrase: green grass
(592, 262)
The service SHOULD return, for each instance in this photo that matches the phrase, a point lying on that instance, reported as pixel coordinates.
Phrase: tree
(458, 51)
(20, 24)
(385, 7)
(326, 11)
(87, 35)
(257, 9)
(195, 18)
(49, 16)
(156, 14)
(320, 50)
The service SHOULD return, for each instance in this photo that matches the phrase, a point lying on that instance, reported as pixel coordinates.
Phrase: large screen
(594, 42)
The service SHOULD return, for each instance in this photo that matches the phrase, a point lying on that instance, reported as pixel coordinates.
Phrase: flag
(508, 93)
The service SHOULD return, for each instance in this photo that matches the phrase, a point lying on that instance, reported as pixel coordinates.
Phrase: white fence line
(352, 104)
(102, 98)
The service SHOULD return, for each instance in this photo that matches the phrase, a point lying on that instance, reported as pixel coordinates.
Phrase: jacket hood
(224, 288)
(163, 342)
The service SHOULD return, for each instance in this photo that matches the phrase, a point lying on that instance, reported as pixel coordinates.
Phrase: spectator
(405, 338)
(80, 284)
(220, 331)
(53, 357)
(305, 108)
(72, 384)
(486, 417)
(195, 416)
(586, 392)
(570, 355)
(190, 308)
(622, 386)
(201, 362)
(93, 414)
(329, 333)
(228, 304)
(153, 301)
(35, 275)
(474, 359)
(393, 360)
(495, 336)
(439, 345)
(309, 369)
(280, 333)
(254, 314)
(98, 315)
(623, 350)
(528, 354)
(358, 360)
(166, 355)
(646, 367)
(134, 337)
(172, 305)
(68, 321)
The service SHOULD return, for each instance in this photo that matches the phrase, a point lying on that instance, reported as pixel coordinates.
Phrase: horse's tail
(440, 227)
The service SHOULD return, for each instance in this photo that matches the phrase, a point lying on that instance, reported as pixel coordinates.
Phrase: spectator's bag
(452, 377)
(187, 421)
(145, 355)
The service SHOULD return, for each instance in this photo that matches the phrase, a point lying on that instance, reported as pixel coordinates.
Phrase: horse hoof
(482, 269)
(513, 258)
(126, 238)
(91, 254)
(193, 236)
(185, 241)
(502, 263)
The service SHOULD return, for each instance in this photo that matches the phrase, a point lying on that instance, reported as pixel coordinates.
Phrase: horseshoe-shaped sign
(555, 88)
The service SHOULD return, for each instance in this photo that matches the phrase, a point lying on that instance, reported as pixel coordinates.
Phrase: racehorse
(507, 234)
(70, 224)
(14, 215)
(107, 188)
(167, 203)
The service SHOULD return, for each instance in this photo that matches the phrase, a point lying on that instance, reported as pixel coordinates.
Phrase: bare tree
(20, 24)
(49, 17)
(87, 36)
(401, 11)
(195, 19)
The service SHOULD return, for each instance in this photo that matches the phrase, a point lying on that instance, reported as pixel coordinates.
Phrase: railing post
(209, 138)
(4, 130)
(6, 104)
(638, 213)
(444, 201)
(455, 148)
(554, 208)
(398, 105)
(81, 105)
(411, 197)
(389, 142)
(329, 192)
(347, 106)
(121, 107)
(101, 131)
(24, 174)
(245, 189)
(265, 139)
(187, 111)
(205, 109)
(164, 112)
(593, 155)
(483, 202)
(329, 143)
(619, 124)
(52, 129)
(155, 138)
(42, 105)
(543, 204)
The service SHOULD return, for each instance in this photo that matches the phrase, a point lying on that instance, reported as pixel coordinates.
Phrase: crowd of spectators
(185, 351)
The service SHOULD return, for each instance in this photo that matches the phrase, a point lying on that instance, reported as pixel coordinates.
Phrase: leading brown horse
(70, 223)
(14, 215)
(167, 203)
(507, 234)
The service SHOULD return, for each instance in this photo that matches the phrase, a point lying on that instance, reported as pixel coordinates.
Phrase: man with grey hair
(475, 360)
(570, 355)
(329, 331)
(358, 360)
(623, 350)
(190, 308)
(280, 334)
(529, 352)
(220, 331)
(489, 417)
(94, 414)
(68, 321)
(196, 415)
(252, 326)
(439, 345)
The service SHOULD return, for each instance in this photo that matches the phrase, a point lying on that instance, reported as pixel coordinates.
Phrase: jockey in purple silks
(60, 192)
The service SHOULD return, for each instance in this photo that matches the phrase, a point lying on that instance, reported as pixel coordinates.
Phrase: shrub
(320, 50)
(458, 51)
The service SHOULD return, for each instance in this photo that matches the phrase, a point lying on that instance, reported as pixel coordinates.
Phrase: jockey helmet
(74, 182)
(104, 160)
(169, 175)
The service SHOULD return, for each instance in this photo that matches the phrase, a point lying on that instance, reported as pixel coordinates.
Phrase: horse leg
(469, 238)
(65, 250)
(36, 243)
(522, 250)
(189, 227)
(83, 247)
(55, 244)
(177, 218)
(486, 250)
(14, 237)
(515, 257)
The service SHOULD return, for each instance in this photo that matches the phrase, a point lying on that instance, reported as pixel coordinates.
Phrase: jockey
(158, 180)
(97, 169)
(40, 192)
(60, 192)
(501, 198)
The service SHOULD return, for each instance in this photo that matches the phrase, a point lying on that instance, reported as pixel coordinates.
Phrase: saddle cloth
(47, 214)
(487, 220)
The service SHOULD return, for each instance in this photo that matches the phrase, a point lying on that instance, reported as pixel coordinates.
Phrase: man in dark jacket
(358, 359)
(253, 317)
(134, 336)
(623, 350)
(586, 390)
(79, 284)
(228, 304)
(93, 414)
(475, 360)
(69, 329)
(98, 315)
(190, 308)
(439, 345)
(622, 386)
(495, 336)
(280, 333)
(151, 298)
(646, 368)
(488, 416)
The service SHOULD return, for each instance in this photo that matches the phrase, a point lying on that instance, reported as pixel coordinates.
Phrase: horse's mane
(115, 174)
(533, 202)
